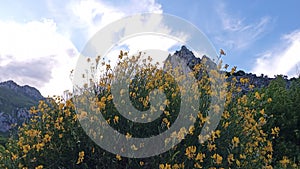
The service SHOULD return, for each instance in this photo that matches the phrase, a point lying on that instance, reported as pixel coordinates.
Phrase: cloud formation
(36, 72)
(89, 16)
(281, 60)
(34, 53)
(237, 33)
(41, 52)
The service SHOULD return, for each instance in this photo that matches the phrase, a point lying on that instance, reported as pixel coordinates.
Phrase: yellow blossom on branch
(190, 151)
(80, 157)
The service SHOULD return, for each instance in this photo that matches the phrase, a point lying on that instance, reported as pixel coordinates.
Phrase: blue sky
(40, 40)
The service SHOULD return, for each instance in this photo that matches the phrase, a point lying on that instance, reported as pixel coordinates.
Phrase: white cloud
(236, 33)
(135, 34)
(145, 43)
(281, 60)
(47, 42)
(93, 15)
(34, 53)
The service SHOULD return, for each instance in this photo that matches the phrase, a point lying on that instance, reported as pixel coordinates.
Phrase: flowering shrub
(244, 138)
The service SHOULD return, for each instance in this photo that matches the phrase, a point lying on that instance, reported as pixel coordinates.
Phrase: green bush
(255, 131)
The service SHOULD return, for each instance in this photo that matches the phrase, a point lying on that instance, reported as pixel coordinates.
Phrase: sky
(40, 41)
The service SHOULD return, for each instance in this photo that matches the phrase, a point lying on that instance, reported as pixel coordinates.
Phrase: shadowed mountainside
(15, 101)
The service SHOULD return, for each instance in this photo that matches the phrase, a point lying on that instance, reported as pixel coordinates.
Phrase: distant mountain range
(15, 101)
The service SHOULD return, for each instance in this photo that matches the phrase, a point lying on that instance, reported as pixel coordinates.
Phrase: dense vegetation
(12, 100)
(259, 129)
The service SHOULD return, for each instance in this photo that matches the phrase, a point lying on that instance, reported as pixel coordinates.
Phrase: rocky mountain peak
(184, 54)
(15, 101)
(9, 84)
(189, 61)
(25, 90)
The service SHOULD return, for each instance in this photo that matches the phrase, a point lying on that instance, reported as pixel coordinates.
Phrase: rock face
(189, 61)
(26, 90)
(187, 57)
(15, 101)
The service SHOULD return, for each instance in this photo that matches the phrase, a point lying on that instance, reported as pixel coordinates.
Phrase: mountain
(189, 61)
(15, 101)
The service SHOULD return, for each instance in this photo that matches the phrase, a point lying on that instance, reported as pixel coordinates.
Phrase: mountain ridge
(258, 81)
(15, 101)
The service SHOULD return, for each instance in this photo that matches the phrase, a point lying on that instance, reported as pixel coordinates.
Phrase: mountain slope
(15, 101)
(190, 60)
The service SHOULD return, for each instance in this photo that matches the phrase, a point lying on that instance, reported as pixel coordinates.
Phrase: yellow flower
(167, 166)
(67, 112)
(167, 113)
(166, 121)
(191, 129)
(230, 158)
(200, 157)
(82, 114)
(26, 148)
(20, 142)
(269, 100)
(103, 99)
(181, 134)
(238, 163)
(211, 147)
(217, 133)
(242, 156)
(39, 167)
(269, 156)
(20, 165)
(226, 114)
(47, 138)
(257, 96)
(235, 141)
(118, 157)
(275, 131)
(116, 119)
(197, 165)
(32, 133)
(225, 125)
(128, 135)
(133, 147)
(61, 106)
(14, 157)
(101, 105)
(142, 163)
(262, 112)
(218, 159)
(190, 151)
(284, 161)
(269, 167)
(80, 157)
(109, 97)
(39, 146)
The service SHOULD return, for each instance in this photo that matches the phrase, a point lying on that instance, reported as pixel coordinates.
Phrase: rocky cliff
(15, 101)
(190, 61)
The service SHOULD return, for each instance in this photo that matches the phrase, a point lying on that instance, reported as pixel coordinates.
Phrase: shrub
(245, 137)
